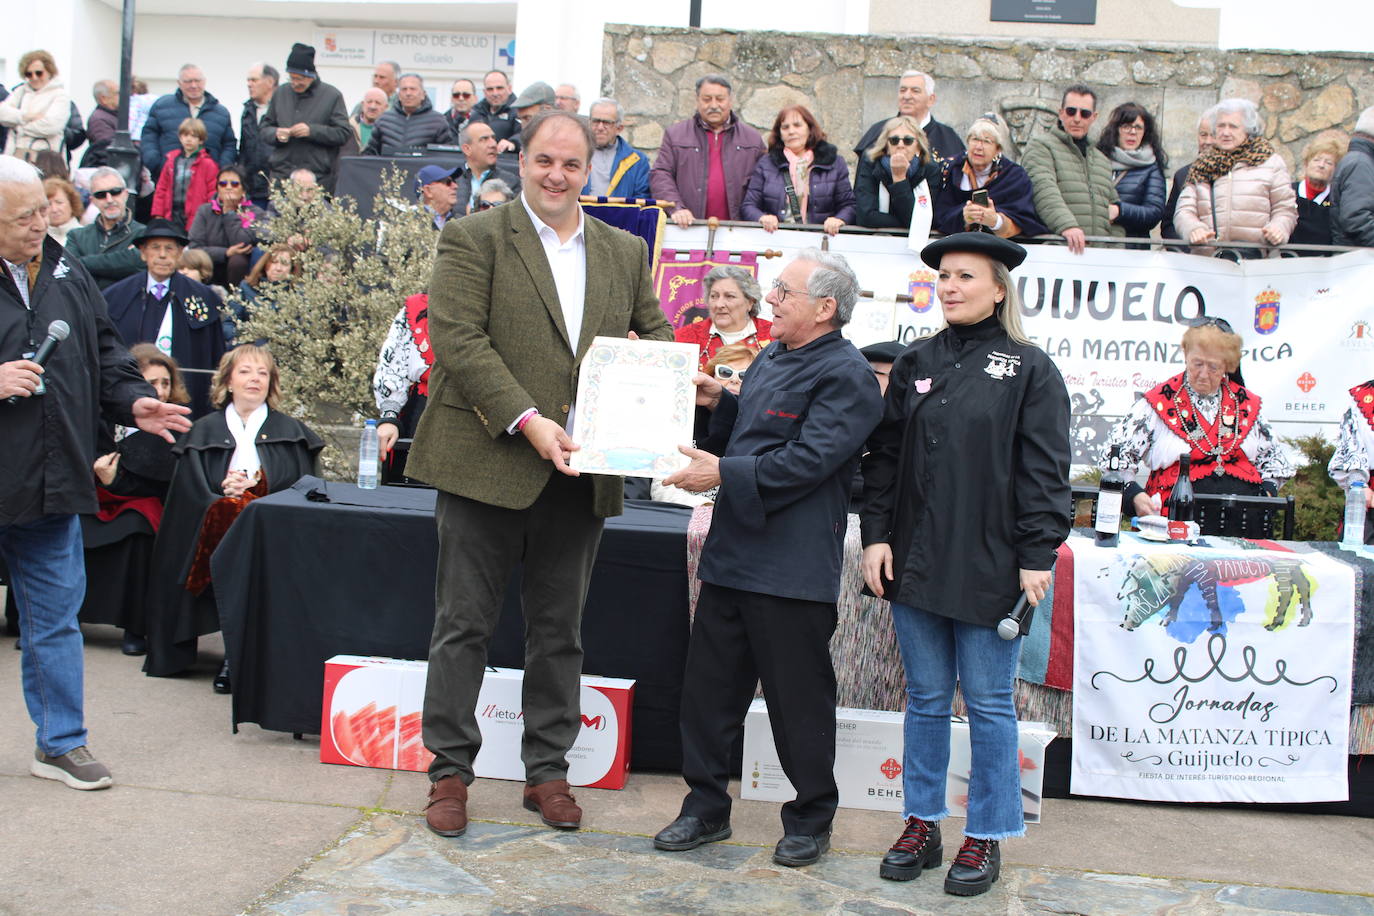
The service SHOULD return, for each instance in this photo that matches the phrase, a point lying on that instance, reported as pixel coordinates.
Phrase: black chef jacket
(967, 475)
(794, 436)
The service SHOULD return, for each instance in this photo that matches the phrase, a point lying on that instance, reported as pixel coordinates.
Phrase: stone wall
(850, 81)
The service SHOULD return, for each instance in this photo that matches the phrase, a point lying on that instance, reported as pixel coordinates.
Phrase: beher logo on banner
(1204, 675)
(1307, 381)
(1267, 311)
(891, 768)
(921, 289)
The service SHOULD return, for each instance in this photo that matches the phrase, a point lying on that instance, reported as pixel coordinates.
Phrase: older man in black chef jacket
(771, 565)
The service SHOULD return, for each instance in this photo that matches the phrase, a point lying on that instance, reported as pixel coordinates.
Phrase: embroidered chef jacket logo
(922, 385)
(62, 269)
(1002, 365)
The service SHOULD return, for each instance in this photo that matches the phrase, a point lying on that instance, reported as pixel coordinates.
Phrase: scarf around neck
(245, 457)
(800, 167)
(1125, 159)
(1216, 162)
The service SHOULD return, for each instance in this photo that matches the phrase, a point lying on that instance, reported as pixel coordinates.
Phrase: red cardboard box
(372, 718)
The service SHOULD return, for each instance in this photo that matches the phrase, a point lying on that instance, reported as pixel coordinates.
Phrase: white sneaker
(78, 768)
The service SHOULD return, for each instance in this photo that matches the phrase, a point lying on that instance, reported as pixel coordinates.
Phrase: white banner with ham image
(372, 709)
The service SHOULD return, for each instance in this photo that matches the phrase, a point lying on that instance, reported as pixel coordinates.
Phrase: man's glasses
(901, 141)
(108, 192)
(34, 74)
(229, 183)
(1078, 112)
(783, 292)
(726, 373)
(602, 122)
(463, 95)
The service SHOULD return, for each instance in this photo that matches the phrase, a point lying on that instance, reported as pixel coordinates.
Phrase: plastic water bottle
(1354, 515)
(367, 457)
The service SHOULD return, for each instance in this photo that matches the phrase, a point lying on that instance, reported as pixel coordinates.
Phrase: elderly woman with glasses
(1240, 189)
(1005, 204)
(493, 193)
(1206, 413)
(732, 314)
(37, 112)
(228, 228)
(890, 172)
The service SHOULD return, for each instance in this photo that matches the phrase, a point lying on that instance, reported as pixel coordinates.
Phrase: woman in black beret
(966, 499)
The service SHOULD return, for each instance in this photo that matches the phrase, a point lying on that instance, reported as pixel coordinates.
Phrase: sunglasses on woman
(901, 141)
(725, 373)
(34, 74)
(229, 183)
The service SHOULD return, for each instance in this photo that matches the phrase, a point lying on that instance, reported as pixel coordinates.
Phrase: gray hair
(465, 135)
(1207, 119)
(746, 282)
(930, 83)
(1365, 124)
(985, 128)
(496, 185)
(102, 88)
(406, 76)
(184, 67)
(395, 67)
(619, 112)
(715, 79)
(1248, 111)
(106, 172)
(833, 278)
(17, 171)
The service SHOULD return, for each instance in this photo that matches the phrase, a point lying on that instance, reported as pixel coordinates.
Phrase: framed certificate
(635, 406)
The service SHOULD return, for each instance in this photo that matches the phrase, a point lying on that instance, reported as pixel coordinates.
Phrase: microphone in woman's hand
(1009, 627)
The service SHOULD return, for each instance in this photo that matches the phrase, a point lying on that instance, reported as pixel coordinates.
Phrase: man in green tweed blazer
(517, 294)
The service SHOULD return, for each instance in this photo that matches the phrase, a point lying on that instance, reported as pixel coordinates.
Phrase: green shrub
(1318, 501)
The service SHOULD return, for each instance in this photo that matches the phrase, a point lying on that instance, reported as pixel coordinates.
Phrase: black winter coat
(1352, 195)
(397, 131)
(1142, 198)
(502, 121)
(901, 194)
(967, 475)
(944, 140)
(321, 107)
(288, 450)
(253, 153)
(1314, 222)
(50, 441)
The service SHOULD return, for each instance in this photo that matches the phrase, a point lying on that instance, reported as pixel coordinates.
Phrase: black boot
(133, 644)
(222, 679)
(918, 848)
(975, 868)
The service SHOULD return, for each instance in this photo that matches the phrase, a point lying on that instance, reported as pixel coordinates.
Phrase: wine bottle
(1107, 529)
(1182, 507)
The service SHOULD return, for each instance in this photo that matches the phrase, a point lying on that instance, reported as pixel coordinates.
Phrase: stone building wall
(849, 81)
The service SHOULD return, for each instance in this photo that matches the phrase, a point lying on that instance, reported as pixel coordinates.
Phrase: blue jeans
(936, 651)
(47, 572)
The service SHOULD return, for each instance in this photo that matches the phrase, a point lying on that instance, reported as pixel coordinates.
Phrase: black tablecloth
(298, 582)
(360, 177)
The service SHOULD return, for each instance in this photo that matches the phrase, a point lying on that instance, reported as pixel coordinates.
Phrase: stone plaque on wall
(1067, 12)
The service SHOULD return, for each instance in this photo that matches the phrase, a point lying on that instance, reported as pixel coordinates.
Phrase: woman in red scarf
(732, 314)
(1204, 412)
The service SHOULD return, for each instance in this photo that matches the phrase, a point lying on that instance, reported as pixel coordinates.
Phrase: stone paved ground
(389, 863)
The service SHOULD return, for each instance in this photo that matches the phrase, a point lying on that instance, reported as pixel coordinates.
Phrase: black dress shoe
(918, 848)
(133, 644)
(977, 865)
(221, 682)
(796, 850)
(688, 832)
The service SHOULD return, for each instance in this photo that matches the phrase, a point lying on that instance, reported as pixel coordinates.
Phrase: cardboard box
(372, 710)
(868, 761)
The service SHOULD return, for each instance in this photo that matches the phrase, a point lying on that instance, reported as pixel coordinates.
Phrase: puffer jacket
(1246, 200)
(54, 107)
(1352, 195)
(1072, 189)
(680, 171)
(160, 130)
(830, 192)
(398, 131)
(1142, 200)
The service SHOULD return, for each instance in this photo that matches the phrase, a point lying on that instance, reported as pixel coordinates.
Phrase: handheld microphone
(1010, 626)
(58, 331)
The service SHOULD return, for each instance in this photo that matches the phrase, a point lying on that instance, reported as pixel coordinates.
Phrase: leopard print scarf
(1216, 162)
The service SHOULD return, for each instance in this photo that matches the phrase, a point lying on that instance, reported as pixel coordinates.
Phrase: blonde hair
(879, 148)
(1008, 311)
(199, 261)
(728, 354)
(43, 57)
(195, 127)
(1214, 338)
(219, 388)
(1329, 145)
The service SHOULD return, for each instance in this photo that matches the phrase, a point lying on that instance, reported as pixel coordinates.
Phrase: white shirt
(20, 274)
(568, 262)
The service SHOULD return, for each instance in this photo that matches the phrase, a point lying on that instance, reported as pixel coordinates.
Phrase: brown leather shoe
(447, 811)
(555, 803)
